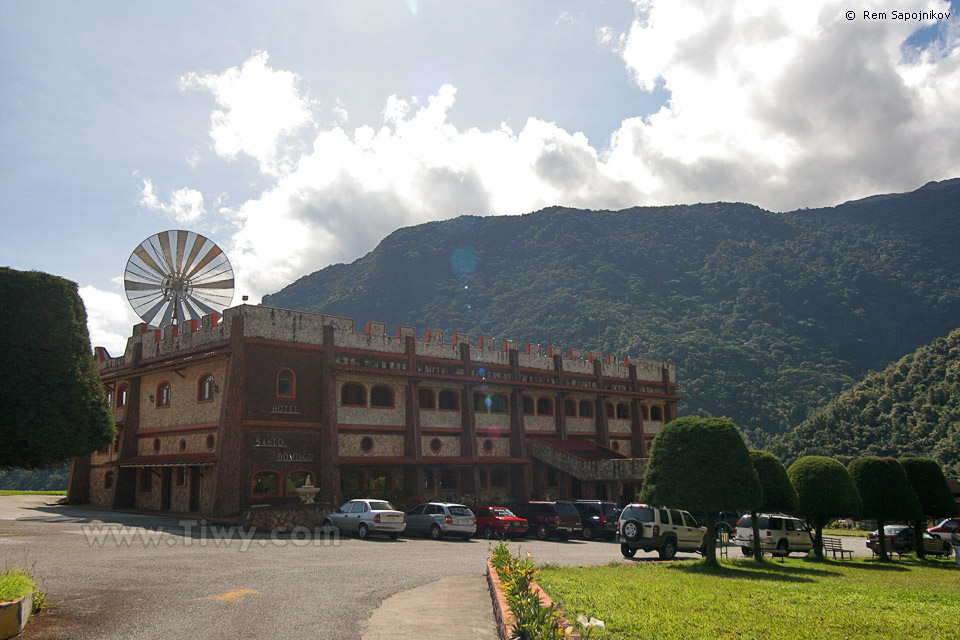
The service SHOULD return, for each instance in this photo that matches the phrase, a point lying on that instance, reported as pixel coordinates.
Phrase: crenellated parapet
(284, 325)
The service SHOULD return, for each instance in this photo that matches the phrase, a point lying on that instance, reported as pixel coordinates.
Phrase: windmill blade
(175, 276)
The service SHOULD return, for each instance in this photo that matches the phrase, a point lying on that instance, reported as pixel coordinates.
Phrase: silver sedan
(365, 516)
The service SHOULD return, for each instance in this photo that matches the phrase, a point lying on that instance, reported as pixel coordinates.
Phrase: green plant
(15, 583)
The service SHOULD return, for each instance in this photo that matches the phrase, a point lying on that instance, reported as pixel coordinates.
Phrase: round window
(488, 445)
(183, 445)
(366, 444)
(615, 445)
(211, 441)
(436, 445)
(156, 444)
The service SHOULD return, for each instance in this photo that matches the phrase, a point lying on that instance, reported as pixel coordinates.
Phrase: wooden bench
(835, 546)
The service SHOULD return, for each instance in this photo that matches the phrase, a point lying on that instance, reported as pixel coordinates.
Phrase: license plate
(389, 518)
(463, 521)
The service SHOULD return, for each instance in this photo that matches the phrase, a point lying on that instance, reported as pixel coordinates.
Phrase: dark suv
(548, 519)
(599, 518)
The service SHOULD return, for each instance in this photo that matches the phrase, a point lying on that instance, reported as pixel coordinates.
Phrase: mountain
(767, 315)
(910, 408)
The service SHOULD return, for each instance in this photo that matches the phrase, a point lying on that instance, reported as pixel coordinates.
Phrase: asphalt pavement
(124, 576)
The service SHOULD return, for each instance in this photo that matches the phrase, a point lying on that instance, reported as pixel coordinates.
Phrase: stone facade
(230, 412)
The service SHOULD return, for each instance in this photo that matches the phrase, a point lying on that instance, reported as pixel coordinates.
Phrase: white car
(365, 516)
(779, 534)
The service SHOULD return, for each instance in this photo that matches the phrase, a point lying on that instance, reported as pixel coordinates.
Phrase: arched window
(449, 400)
(381, 396)
(526, 403)
(265, 484)
(108, 480)
(426, 399)
(623, 411)
(205, 389)
(586, 409)
(353, 395)
(498, 403)
(298, 478)
(610, 410)
(656, 413)
(163, 394)
(122, 396)
(109, 397)
(570, 408)
(644, 413)
(544, 407)
(286, 384)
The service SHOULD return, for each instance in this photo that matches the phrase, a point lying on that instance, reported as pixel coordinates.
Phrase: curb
(14, 615)
(501, 612)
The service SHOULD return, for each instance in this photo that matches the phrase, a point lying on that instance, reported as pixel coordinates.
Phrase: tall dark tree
(701, 464)
(52, 405)
(928, 482)
(777, 491)
(825, 492)
(886, 493)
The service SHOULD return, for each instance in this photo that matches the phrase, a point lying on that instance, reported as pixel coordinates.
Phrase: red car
(498, 522)
(945, 528)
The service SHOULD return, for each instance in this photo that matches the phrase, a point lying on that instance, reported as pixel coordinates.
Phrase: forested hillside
(910, 408)
(767, 315)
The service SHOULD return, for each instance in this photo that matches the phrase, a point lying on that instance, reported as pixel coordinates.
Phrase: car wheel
(394, 535)
(363, 532)
(632, 530)
(436, 532)
(669, 549)
(542, 532)
(588, 533)
(627, 551)
(783, 548)
(489, 532)
(907, 548)
(747, 551)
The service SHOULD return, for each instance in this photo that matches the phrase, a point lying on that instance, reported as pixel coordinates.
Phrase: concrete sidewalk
(450, 608)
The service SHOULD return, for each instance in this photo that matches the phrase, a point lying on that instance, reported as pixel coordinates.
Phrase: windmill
(176, 276)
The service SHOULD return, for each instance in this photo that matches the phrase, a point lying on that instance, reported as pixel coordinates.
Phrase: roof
(175, 460)
(580, 448)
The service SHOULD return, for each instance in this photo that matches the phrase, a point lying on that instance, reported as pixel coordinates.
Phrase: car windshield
(503, 513)
(643, 514)
(380, 505)
(567, 509)
(459, 511)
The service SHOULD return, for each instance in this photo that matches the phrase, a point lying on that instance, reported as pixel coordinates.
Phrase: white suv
(656, 528)
(779, 534)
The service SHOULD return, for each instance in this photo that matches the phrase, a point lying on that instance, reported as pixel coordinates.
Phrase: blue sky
(299, 134)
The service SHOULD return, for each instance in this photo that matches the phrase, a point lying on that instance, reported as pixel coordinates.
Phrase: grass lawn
(15, 583)
(14, 492)
(800, 598)
(853, 533)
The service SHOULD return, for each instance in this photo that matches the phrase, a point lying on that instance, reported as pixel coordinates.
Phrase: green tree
(52, 405)
(928, 482)
(825, 492)
(777, 491)
(886, 493)
(701, 464)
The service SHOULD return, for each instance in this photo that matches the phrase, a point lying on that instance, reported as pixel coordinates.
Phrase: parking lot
(113, 575)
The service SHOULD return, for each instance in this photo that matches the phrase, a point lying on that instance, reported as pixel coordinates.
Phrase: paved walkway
(450, 608)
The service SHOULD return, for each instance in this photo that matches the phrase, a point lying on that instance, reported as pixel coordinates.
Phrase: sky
(299, 134)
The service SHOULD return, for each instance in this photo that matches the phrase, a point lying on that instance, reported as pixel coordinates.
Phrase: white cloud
(260, 109)
(781, 105)
(109, 317)
(786, 104)
(185, 205)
